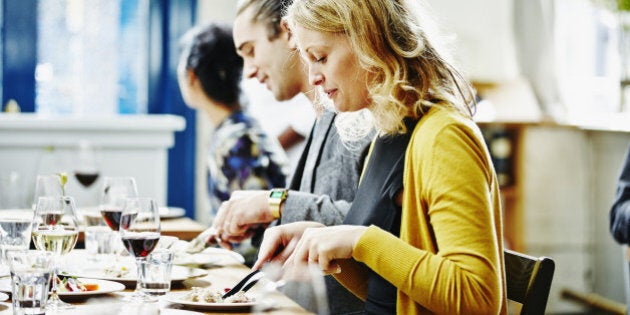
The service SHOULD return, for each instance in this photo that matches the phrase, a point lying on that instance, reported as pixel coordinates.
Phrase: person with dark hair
(620, 210)
(240, 156)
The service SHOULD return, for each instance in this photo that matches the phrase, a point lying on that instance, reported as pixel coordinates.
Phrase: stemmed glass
(46, 186)
(115, 192)
(55, 229)
(140, 233)
(86, 167)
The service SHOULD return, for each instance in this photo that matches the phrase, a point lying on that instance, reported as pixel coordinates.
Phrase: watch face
(276, 194)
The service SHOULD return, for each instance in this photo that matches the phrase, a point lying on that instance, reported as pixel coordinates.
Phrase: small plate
(3, 297)
(186, 259)
(171, 212)
(178, 299)
(178, 274)
(104, 287)
(222, 251)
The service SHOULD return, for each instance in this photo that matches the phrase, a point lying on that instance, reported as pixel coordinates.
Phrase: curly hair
(409, 74)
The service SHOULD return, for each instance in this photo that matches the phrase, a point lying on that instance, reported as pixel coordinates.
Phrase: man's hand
(244, 210)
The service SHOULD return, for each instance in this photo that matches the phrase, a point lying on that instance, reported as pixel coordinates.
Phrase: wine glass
(85, 169)
(47, 186)
(115, 192)
(140, 232)
(302, 283)
(55, 229)
(86, 166)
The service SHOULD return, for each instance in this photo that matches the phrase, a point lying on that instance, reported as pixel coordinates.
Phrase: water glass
(15, 231)
(155, 272)
(30, 280)
(99, 237)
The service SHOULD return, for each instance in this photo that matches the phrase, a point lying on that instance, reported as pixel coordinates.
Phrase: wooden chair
(528, 280)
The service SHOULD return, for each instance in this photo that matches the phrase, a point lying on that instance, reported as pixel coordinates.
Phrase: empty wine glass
(115, 192)
(48, 186)
(55, 229)
(140, 233)
(302, 283)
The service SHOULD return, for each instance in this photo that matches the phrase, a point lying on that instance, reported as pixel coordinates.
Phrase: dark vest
(375, 204)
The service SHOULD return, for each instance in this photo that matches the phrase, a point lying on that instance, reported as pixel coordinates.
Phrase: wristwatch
(276, 197)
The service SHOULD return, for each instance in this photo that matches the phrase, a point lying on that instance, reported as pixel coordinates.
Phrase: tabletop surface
(225, 272)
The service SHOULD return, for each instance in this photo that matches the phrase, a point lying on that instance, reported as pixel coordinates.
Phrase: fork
(199, 243)
(246, 283)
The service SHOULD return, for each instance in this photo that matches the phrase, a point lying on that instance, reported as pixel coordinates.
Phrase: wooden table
(225, 274)
(184, 228)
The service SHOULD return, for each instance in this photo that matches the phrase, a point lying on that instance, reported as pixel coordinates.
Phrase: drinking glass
(86, 165)
(140, 232)
(15, 232)
(47, 185)
(30, 280)
(55, 229)
(302, 283)
(115, 192)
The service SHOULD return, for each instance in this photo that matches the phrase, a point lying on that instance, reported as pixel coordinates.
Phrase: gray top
(326, 179)
(322, 189)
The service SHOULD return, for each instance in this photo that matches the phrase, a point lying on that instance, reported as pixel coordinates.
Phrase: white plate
(184, 259)
(104, 286)
(3, 297)
(178, 273)
(222, 251)
(171, 212)
(178, 299)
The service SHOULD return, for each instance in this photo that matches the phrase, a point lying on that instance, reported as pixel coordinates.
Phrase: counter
(129, 145)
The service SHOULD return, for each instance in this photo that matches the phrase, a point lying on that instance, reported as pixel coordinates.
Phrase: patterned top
(242, 157)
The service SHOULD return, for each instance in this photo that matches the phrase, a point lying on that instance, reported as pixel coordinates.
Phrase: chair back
(528, 280)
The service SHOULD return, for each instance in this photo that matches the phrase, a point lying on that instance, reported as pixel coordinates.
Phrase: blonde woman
(427, 217)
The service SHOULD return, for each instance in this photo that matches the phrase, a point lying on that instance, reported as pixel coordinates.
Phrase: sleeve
(301, 206)
(450, 214)
(620, 210)
(248, 166)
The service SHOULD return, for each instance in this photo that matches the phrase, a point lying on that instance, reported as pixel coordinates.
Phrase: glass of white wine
(55, 229)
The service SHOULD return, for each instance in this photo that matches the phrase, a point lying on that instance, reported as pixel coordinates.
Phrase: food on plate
(116, 271)
(72, 284)
(210, 295)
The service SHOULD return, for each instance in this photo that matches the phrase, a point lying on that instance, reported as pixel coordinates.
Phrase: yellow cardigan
(449, 257)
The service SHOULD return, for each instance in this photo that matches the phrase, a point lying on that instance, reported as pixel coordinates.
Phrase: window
(92, 56)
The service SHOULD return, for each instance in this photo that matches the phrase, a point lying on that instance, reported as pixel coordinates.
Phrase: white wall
(569, 178)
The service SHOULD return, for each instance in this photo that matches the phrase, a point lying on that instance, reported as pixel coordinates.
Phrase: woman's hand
(324, 245)
(279, 241)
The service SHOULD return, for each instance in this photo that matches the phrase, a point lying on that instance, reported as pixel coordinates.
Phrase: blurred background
(90, 86)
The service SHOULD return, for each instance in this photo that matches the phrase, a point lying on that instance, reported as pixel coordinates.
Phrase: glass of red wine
(115, 192)
(86, 166)
(140, 232)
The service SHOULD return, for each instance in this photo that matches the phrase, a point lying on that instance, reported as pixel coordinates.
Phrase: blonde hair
(391, 42)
